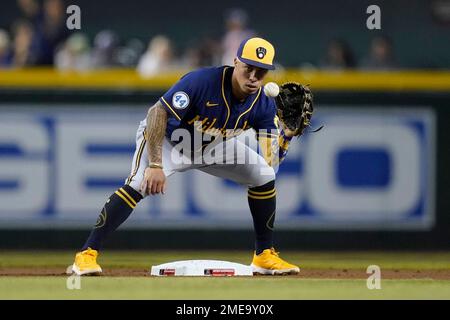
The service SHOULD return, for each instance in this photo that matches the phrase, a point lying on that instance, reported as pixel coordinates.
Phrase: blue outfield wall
(366, 170)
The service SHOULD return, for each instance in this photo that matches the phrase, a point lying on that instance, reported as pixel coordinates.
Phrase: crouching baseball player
(219, 103)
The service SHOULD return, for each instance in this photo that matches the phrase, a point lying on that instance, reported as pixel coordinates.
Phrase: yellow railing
(123, 79)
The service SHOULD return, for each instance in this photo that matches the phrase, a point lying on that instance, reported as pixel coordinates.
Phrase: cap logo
(261, 52)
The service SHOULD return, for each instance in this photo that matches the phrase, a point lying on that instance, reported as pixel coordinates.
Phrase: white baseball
(271, 89)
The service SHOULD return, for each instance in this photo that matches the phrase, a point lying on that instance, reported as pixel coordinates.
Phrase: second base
(208, 268)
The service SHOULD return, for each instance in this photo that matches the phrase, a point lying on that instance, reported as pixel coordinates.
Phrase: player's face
(249, 78)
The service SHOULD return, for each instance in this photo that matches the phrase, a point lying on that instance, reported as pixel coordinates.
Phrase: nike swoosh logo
(209, 104)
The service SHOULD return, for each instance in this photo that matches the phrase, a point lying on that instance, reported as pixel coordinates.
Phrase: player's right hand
(154, 181)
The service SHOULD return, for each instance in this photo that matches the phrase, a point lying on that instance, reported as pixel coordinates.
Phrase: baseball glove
(295, 107)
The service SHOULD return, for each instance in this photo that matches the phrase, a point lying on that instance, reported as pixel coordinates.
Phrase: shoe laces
(89, 251)
(275, 253)
(88, 254)
(277, 256)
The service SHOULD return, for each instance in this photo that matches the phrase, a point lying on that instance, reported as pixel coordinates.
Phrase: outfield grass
(32, 287)
(219, 288)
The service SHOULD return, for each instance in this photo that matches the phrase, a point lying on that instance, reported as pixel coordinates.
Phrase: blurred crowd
(340, 56)
(39, 37)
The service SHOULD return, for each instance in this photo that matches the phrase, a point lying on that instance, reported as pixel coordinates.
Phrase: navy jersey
(202, 100)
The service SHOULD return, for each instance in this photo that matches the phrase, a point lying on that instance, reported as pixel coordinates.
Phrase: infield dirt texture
(339, 275)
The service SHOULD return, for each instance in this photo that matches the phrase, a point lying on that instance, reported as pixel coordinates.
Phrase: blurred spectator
(51, 32)
(5, 49)
(106, 43)
(29, 8)
(381, 55)
(203, 53)
(209, 52)
(23, 37)
(191, 58)
(129, 54)
(339, 56)
(49, 28)
(237, 31)
(158, 57)
(74, 54)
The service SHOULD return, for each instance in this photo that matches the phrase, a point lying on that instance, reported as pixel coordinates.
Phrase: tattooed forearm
(156, 129)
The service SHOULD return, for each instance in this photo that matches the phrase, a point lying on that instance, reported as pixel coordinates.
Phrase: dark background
(300, 30)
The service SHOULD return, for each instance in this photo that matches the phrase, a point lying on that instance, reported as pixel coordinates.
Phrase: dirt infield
(435, 274)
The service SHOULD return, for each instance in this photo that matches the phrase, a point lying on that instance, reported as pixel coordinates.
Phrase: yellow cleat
(86, 263)
(268, 262)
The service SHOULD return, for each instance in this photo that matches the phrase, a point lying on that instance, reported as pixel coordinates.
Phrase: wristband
(155, 165)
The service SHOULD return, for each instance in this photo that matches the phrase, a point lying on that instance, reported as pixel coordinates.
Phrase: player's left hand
(288, 132)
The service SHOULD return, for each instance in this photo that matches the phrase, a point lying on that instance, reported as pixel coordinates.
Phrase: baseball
(271, 89)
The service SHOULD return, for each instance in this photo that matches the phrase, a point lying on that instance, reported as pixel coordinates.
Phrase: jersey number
(180, 100)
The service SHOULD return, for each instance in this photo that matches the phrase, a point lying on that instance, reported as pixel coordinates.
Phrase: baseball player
(218, 103)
